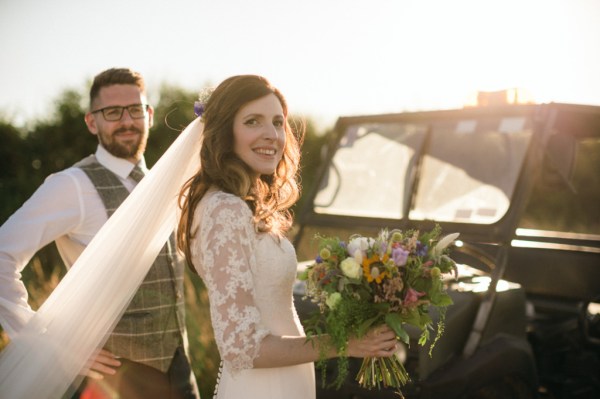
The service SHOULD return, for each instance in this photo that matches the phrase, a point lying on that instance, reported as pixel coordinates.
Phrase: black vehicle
(521, 184)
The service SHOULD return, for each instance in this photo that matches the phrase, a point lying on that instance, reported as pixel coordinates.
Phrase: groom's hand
(104, 362)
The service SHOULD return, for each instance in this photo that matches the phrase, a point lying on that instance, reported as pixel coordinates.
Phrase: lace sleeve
(226, 242)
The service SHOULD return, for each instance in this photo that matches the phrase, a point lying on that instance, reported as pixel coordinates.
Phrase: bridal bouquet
(394, 279)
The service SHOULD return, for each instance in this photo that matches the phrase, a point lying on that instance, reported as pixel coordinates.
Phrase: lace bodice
(249, 277)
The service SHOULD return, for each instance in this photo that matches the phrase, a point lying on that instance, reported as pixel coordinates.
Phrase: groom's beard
(125, 147)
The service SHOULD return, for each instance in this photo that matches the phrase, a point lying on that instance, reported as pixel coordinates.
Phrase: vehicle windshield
(460, 170)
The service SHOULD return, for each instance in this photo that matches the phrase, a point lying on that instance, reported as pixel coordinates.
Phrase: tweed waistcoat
(152, 326)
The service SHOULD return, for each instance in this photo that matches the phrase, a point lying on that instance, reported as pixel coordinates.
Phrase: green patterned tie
(137, 173)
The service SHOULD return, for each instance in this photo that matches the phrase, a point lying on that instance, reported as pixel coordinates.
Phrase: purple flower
(421, 249)
(198, 108)
(318, 259)
(400, 256)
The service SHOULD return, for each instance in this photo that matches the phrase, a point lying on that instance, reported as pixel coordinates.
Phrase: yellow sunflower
(373, 268)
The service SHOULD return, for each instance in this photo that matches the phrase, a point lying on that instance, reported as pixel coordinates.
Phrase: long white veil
(55, 345)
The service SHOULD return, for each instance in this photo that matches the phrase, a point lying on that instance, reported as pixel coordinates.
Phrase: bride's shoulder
(218, 202)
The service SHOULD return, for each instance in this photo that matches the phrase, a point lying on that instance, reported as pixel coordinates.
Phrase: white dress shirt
(66, 209)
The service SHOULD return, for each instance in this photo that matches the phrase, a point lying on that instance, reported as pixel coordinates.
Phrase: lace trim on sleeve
(226, 243)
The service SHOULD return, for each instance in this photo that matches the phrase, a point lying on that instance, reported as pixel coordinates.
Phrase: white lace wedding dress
(249, 277)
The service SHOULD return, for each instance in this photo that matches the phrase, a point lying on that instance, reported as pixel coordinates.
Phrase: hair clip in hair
(198, 108)
(200, 105)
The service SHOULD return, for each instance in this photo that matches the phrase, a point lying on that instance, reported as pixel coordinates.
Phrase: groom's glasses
(115, 113)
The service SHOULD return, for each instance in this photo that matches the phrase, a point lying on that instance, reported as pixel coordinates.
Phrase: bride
(232, 231)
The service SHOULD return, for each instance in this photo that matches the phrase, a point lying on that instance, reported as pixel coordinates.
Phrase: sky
(330, 58)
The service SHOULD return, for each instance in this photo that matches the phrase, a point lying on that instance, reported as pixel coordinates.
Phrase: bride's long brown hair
(269, 196)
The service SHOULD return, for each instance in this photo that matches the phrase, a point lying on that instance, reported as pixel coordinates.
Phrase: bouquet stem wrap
(383, 372)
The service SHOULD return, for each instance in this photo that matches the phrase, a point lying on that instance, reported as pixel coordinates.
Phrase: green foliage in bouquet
(394, 279)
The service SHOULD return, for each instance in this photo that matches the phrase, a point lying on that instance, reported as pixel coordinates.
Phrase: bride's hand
(378, 342)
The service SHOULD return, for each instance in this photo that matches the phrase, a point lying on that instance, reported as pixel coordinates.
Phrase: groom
(145, 354)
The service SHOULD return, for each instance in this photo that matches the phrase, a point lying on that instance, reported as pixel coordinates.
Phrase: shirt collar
(119, 166)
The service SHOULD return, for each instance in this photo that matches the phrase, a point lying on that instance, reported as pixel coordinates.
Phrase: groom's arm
(52, 211)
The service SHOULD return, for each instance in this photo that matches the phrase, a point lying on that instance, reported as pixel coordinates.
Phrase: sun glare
(508, 46)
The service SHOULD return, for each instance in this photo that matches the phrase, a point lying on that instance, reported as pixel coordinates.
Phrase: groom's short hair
(116, 76)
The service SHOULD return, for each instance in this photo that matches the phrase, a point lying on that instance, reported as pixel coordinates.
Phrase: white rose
(333, 299)
(351, 268)
(359, 245)
(355, 244)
